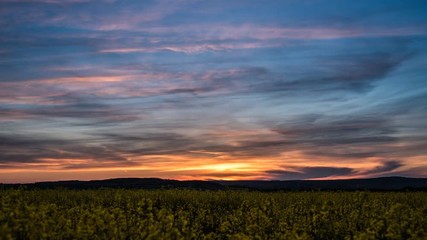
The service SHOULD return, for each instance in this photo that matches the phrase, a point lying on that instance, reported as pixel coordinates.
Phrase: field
(191, 214)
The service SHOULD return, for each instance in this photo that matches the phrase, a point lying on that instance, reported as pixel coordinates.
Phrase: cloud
(318, 136)
(347, 130)
(94, 148)
(348, 73)
(387, 166)
(46, 151)
(12, 114)
(86, 110)
(265, 33)
(341, 74)
(112, 16)
(309, 173)
(418, 172)
(190, 48)
(95, 112)
(146, 143)
(52, 1)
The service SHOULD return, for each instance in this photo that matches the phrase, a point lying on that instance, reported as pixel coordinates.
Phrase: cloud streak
(310, 173)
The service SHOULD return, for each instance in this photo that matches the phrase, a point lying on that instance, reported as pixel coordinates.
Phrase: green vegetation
(191, 214)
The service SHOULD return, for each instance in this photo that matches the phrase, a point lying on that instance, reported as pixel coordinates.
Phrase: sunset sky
(219, 89)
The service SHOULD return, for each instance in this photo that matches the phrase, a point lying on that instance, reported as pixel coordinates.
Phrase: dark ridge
(376, 184)
(383, 183)
(129, 183)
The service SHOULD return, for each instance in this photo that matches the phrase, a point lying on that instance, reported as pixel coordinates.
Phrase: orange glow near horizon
(175, 167)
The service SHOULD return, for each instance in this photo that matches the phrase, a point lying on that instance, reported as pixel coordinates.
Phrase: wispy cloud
(385, 167)
(251, 31)
(190, 49)
(310, 173)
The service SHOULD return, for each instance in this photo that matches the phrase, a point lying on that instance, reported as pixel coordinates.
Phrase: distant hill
(385, 183)
(130, 183)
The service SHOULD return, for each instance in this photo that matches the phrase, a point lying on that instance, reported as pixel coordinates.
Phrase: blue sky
(193, 89)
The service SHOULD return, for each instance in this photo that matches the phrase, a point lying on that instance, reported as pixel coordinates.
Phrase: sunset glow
(276, 90)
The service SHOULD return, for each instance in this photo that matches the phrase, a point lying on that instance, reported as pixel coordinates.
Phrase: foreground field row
(190, 214)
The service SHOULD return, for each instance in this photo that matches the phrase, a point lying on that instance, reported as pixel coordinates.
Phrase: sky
(224, 89)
